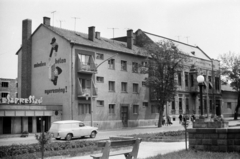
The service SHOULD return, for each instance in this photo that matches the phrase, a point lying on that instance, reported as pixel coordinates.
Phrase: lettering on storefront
(60, 60)
(29, 100)
(59, 90)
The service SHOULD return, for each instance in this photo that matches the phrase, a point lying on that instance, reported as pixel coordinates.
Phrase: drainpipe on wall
(72, 73)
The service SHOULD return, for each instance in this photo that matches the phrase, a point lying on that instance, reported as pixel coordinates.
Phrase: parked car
(68, 129)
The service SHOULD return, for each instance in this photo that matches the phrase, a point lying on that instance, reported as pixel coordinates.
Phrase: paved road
(102, 134)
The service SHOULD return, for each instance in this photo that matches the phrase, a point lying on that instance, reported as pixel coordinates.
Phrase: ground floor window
(111, 108)
(135, 109)
(84, 109)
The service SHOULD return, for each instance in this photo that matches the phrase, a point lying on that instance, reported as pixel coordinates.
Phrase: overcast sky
(213, 25)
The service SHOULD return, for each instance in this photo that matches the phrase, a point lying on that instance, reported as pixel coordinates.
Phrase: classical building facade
(97, 80)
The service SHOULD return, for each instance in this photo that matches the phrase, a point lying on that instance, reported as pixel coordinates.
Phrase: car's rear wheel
(93, 134)
(69, 137)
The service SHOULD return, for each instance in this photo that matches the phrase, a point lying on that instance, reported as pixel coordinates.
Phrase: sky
(213, 25)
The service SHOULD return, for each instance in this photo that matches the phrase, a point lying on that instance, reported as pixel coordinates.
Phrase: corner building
(97, 80)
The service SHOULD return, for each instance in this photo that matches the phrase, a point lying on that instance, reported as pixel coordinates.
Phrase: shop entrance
(124, 114)
(30, 125)
(46, 120)
(7, 124)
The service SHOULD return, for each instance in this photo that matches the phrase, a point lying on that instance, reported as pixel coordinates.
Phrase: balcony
(87, 67)
(84, 92)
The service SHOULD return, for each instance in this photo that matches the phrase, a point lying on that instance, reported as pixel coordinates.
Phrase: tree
(230, 69)
(164, 61)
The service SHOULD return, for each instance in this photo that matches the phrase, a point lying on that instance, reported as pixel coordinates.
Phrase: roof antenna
(113, 32)
(187, 38)
(61, 23)
(53, 16)
(178, 37)
(75, 19)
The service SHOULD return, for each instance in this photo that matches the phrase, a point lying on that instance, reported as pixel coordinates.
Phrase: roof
(67, 121)
(227, 88)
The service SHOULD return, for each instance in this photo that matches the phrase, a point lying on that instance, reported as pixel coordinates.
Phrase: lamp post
(200, 80)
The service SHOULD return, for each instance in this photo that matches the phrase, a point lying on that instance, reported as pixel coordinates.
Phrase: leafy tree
(230, 69)
(164, 61)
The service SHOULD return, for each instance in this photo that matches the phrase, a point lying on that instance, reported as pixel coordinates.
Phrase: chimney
(26, 59)
(91, 33)
(46, 21)
(130, 39)
(97, 35)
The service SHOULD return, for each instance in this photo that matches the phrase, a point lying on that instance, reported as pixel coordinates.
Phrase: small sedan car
(68, 129)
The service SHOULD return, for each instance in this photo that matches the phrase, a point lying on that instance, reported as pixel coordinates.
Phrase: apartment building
(98, 80)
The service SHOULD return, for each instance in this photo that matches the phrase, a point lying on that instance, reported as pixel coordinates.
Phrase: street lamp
(200, 80)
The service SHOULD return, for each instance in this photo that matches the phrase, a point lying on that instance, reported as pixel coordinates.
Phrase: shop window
(111, 86)
(100, 103)
(135, 109)
(180, 105)
(135, 88)
(84, 109)
(5, 84)
(99, 56)
(124, 65)
(124, 87)
(187, 105)
(100, 79)
(111, 108)
(111, 64)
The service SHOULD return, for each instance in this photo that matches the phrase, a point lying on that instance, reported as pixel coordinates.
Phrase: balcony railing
(87, 67)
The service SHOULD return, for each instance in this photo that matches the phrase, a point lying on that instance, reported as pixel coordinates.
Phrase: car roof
(67, 121)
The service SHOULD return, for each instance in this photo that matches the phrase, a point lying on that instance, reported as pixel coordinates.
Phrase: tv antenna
(75, 19)
(113, 31)
(60, 21)
(178, 37)
(187, 38)
(53, 16)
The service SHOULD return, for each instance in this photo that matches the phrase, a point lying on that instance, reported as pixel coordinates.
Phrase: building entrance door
(46, 120)
(218, 108)
(7, 124)
(124, 114)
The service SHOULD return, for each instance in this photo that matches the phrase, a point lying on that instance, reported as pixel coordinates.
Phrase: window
(211, 106)
(173, 105)
(192, 80)
(186, 79)
(111, 64)
(143, 83)
(229, 105)
(145, 104)
(180, 104)
(16, 84)
(111, 108)
(111, 86)
(135, 67)
(217, 82)
(135, 88)
(5, 84)
(210, 78)
(154, 109)
(100, 103)
(135, 109)
(124, 87)
(187, 105)
(84, 59)
(86, 84)
(179, 79)
(99, 56)
(4, 95)
(100, 79)
(84, 109)
(205, 105)
(16, 95)
(124, 65)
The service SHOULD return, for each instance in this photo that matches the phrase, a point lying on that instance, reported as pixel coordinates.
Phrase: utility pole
(53, 16)
(75, 19)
